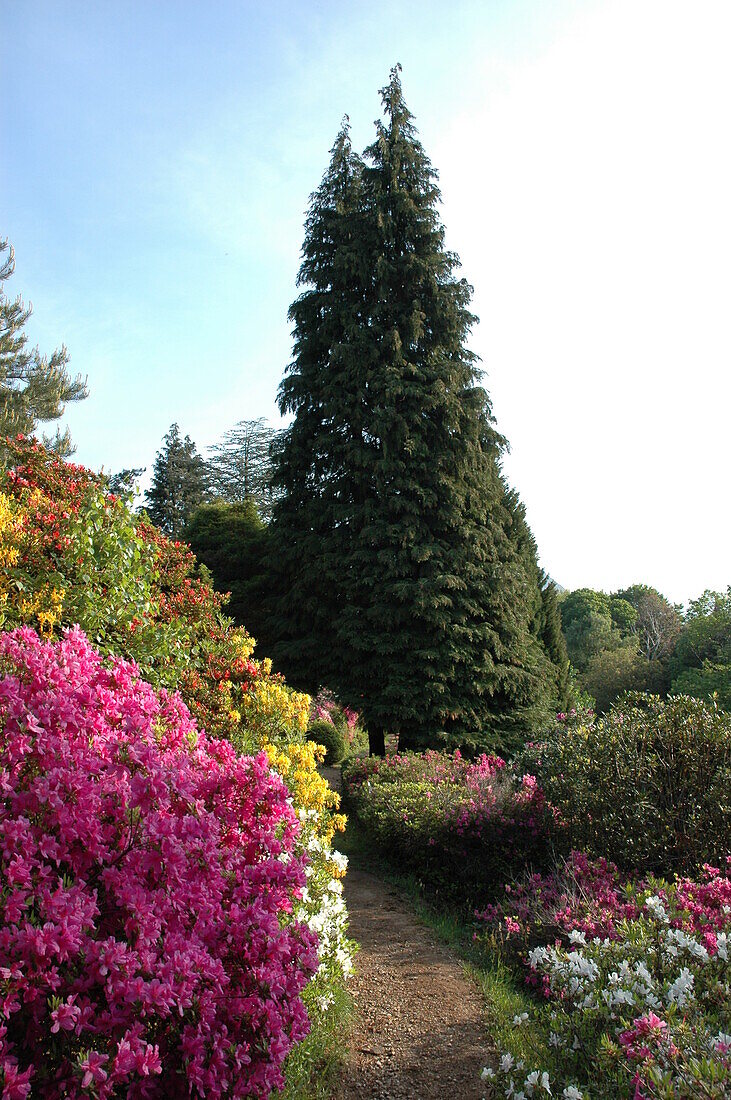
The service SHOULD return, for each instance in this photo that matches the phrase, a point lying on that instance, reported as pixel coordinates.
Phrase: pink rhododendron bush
(635, 980)
(147, 946)
(462, 825)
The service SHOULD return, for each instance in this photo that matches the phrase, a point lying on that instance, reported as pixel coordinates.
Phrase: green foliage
(621, 641)
(240, 467)
(554, 642)
(179, 484)
(233, 542)
(330, 735)
(462, 828)
(701, 661)
(409, 579)
(594, 622)
(710, 681)
(612, 672)
(34, 388)
(647, 786)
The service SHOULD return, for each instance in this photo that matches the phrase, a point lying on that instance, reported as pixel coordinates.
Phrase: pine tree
(179, 483)
(554, 643)
(317, 476)
(33, 387)
(427, 597)
(240, 467)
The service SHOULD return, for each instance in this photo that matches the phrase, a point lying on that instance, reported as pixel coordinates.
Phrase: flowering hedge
(584, 894)
(638, 989)
(72, 553)
(149, 875)
(463, 826)
(337, 728)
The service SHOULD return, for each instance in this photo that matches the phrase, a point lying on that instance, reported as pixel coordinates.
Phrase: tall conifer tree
(179, 483)
(316, 474)
(395, 514)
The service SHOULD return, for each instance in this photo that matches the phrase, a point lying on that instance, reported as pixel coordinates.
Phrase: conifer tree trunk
(376, 741)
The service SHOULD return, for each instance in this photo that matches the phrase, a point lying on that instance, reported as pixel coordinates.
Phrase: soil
(419, 1030)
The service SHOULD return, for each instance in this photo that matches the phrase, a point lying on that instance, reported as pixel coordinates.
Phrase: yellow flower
(297, 764)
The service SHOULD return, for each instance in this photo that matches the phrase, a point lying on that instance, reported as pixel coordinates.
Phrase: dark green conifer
(179, 483)
(428, 605)
(317, 474)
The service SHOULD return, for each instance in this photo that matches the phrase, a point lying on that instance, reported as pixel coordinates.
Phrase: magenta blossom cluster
(462, 825)
(325, 708)
(591, 896)
(148, 873)
(585, 894)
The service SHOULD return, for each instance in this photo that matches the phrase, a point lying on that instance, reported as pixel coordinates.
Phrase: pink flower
(173, 903)
(66, 1016)
(92, 1069)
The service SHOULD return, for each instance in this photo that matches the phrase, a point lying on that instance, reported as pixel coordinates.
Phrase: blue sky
(157, 159)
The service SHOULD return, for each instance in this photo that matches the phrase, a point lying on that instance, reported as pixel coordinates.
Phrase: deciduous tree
(240, 467)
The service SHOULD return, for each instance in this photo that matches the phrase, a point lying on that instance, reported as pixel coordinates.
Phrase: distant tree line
(238, 470)
(636, 640)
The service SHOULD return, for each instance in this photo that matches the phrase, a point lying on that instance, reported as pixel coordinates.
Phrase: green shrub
(648, 785)
(330, 735)
(462, 827)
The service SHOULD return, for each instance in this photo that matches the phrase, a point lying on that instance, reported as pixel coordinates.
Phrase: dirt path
(419, 1032)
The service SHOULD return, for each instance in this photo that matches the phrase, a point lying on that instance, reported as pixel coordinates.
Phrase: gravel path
(419, 1032)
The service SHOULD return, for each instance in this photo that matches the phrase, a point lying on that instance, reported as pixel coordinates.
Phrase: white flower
(572, 1093)
(575, 936)
(642, 972)
(537, 956)
(487, 1074)
(340, 861)
(681, 991)
(722, 942)
(507, 1062)
(555, 1040)
(518, 1020)
(545, 1083)
(657, 908)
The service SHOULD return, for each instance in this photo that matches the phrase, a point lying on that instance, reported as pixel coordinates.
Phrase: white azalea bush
(646, 1014)
(322, 909)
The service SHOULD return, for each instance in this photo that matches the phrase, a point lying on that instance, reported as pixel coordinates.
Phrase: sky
(155, 165)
